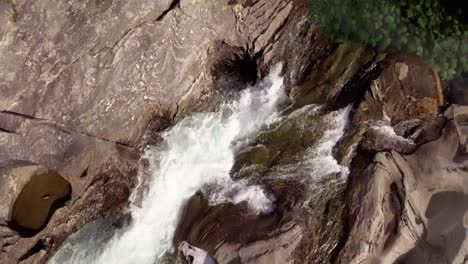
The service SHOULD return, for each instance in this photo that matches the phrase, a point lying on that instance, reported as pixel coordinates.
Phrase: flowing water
(319, 159)
(318, 164)
(387, 132)
(196, 152)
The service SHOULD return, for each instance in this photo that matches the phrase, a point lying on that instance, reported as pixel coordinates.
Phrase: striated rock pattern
(413, 208)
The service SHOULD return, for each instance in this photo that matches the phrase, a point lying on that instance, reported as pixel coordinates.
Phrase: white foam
(319, 158)
(229, 191)
(387, 131)
(198, 151)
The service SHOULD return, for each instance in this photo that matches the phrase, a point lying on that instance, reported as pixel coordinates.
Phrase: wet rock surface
(404, 156)
(91, 236)
(86, 85)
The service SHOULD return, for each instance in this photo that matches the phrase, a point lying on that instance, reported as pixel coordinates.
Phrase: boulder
(405, 89)
(337, 76)
(459, 115)
(233, 234)
(194, 255)
(399, 110)
(457, 92)
(382, 137)
(410, 208)
(29, 194)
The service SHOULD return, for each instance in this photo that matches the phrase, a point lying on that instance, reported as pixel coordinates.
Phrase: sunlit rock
(30, 193)
(194, 255)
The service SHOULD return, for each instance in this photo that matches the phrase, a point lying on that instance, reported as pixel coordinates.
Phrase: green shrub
(424, 28)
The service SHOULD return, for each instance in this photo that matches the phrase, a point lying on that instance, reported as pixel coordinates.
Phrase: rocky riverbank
(87, 85)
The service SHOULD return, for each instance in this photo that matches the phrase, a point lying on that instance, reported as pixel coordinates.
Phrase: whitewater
(198, 151)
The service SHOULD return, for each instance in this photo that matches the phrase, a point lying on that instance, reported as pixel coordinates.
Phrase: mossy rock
(282, 143)
(332, 75)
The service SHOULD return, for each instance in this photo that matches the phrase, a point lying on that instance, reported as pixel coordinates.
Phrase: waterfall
(197, 151)
(319, 159)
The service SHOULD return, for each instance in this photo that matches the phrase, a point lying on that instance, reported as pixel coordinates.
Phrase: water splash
(386, 131)
(196, 152)
(319, 158)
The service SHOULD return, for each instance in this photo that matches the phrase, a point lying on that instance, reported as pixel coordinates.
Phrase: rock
(459, 115)
(407, 127)
(108, 69)
(85, 86)
(92, 236)
(194, 255)
(30, 194)
(339, 79)
(421, 132)
(396, 100)
(279, 249)
(400, 213)
(279, 31)
(278, 160)
(223, 224)
(406, 89)
(233, 69)
(310, 206)
(382, 137)
(457, 92)
(101, 173)
(232, 234)
(282, 143)
(399, 111)
(396, 181)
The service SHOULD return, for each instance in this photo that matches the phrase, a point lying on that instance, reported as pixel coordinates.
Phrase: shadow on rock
(445, 233)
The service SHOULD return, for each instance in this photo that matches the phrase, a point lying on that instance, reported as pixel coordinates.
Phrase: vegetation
(430, 29)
